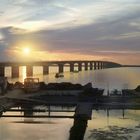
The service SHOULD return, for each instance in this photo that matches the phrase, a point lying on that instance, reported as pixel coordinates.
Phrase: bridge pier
(101, 65)
(86, 66)
(45, 70)
(98, 65)
(2, 71)
(15, 71)
(60, 68)
(91, 66)
(72, 67)
(29, 71)
(95, 65)
(79, 67)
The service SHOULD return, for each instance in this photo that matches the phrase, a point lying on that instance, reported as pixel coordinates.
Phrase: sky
(39, 30)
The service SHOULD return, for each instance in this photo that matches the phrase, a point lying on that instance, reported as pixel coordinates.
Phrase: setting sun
(26, 50)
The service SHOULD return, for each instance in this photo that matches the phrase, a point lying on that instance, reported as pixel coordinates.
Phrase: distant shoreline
(130, 65)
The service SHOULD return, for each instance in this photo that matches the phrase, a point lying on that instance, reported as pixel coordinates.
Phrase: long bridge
(131, 66)
(87, 64)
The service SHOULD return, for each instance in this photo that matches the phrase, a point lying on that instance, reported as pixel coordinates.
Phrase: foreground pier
(18, 98)
(19, 101)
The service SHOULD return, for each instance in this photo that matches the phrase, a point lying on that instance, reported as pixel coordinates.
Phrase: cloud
(62, 14)
(91, 28)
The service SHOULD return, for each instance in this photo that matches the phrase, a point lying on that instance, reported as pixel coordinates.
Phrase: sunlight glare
(26, 50)
(24, 75)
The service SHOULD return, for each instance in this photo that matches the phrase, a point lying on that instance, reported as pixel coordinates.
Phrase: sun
(26, 50)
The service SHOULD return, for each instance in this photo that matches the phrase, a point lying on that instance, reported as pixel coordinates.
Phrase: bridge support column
(101, 65)
(72, 67)
(105, 65)
(45, 70)
(91, 66)
(29, 71)
(79, 67)
(95, 65)
(98, 65)
(60, 68)
(15, 71)
(86, 66)
(2, 71)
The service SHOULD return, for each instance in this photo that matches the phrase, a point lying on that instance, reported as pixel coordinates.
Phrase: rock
(18, 85)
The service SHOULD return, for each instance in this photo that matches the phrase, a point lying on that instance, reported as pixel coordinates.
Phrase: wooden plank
(39, 116)
(38, 110)
(84, 110)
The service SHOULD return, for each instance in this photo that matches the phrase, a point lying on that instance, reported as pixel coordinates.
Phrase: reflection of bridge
(87, 64)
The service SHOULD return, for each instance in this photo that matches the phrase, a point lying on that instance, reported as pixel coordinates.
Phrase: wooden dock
(84, 107)
(5, 104)
(83, 110)
(83, 113)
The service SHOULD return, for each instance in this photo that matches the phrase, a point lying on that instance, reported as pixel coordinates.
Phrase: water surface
(114, 124)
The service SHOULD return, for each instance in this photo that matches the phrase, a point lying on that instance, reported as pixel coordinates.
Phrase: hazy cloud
(100, 27)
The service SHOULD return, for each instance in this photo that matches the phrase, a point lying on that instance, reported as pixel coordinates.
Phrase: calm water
(100, 127)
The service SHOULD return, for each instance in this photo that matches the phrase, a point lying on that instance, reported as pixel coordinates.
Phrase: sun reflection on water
(23, 73)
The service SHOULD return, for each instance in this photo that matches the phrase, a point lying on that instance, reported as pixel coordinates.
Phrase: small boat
(57, 75)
